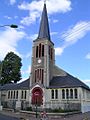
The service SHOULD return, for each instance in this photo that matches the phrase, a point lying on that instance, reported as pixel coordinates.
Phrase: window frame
(52, 94)
(76, 93)
(63, 93)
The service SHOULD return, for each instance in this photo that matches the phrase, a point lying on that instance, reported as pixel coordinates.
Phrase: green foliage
(59, 110)
(0, 69)
(0, 66)
(29, 109)
(11, 66)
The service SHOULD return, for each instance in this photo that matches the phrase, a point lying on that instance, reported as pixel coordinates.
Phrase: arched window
(22, 95)
(67, 93)
(8, 94)
(51, 53)
(42, 50)
(39, 50)
(49, 50)
(11, 94)
(25, 94)
(14, 95)
(17, 95)
(37, 75)
(71, 93)
(42, 75)
(56, 94)
(36, 51)
(76, 93)
(52, 94)
(63, 94)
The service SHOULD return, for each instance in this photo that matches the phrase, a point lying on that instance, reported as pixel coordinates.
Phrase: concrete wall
(72, 104)
(14, 103)
(82, 102)
(85, 100)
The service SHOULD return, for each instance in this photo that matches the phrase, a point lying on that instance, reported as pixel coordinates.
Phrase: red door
(37, 96)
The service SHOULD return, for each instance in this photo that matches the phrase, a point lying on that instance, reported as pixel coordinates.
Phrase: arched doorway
(37, 96)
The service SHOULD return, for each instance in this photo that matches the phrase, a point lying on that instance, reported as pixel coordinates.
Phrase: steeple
(44, 25)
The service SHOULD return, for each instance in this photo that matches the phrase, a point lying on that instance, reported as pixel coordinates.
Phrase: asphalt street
(8, 115)
(5, 117)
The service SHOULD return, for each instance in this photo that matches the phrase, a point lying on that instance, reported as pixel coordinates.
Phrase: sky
(69, 22)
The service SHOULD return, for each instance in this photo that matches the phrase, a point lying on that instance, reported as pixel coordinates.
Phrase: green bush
(59, 110)
(29, 109)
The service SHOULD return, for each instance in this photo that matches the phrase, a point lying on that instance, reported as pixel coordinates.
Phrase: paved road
(85, 116)
(4, 114)
(5, 117)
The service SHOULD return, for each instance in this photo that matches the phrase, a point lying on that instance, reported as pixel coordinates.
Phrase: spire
(44, 25)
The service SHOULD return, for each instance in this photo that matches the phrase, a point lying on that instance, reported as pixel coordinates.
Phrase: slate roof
(15, 86)
(44, 25)
(66, 81)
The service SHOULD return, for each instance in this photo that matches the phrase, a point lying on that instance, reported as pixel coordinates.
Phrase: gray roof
(66, 81)
(44, 25)
(62, 81)
(15, 86)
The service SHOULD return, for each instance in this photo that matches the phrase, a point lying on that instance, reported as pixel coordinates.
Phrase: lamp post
(11, 26)
(36, 102)
(1, 66)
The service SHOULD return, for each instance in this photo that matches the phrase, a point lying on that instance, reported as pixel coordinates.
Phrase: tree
(0, 65)
(11, 66)
(0, 69)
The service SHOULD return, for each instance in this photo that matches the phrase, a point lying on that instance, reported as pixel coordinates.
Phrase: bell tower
(43, 56)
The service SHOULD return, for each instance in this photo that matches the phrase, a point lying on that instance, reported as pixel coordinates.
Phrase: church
(48, 87)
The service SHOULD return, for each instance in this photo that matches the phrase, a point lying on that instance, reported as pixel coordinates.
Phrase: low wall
(85, 106)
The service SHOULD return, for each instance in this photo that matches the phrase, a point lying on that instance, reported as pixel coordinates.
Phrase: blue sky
(69, 22)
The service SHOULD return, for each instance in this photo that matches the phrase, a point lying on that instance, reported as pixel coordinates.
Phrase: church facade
(49, 87)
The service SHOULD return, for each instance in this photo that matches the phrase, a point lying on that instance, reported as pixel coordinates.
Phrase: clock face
(39, 61)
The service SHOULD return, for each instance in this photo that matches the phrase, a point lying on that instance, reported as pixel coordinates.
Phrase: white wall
(85, 100)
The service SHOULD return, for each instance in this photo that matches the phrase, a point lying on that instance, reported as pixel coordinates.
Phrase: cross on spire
(44, 1)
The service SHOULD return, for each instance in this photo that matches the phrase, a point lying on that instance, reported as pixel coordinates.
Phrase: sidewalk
(27, 116)
(21, 116)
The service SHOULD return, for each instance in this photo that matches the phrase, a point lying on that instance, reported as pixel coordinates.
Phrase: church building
(49, 87)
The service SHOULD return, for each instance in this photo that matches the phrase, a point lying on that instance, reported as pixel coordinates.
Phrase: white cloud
(59, 50)
(87, 82)
(15, 17)
(27, 71)
(8, 17)
(33, 37)
(8, 41)
(53, 33)
(35, 9)
(30, 19)
(28, 55)
(55, 21)
(74, 34)
(25, 74)
(88, 56)
(23, 79)
(12, 2)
